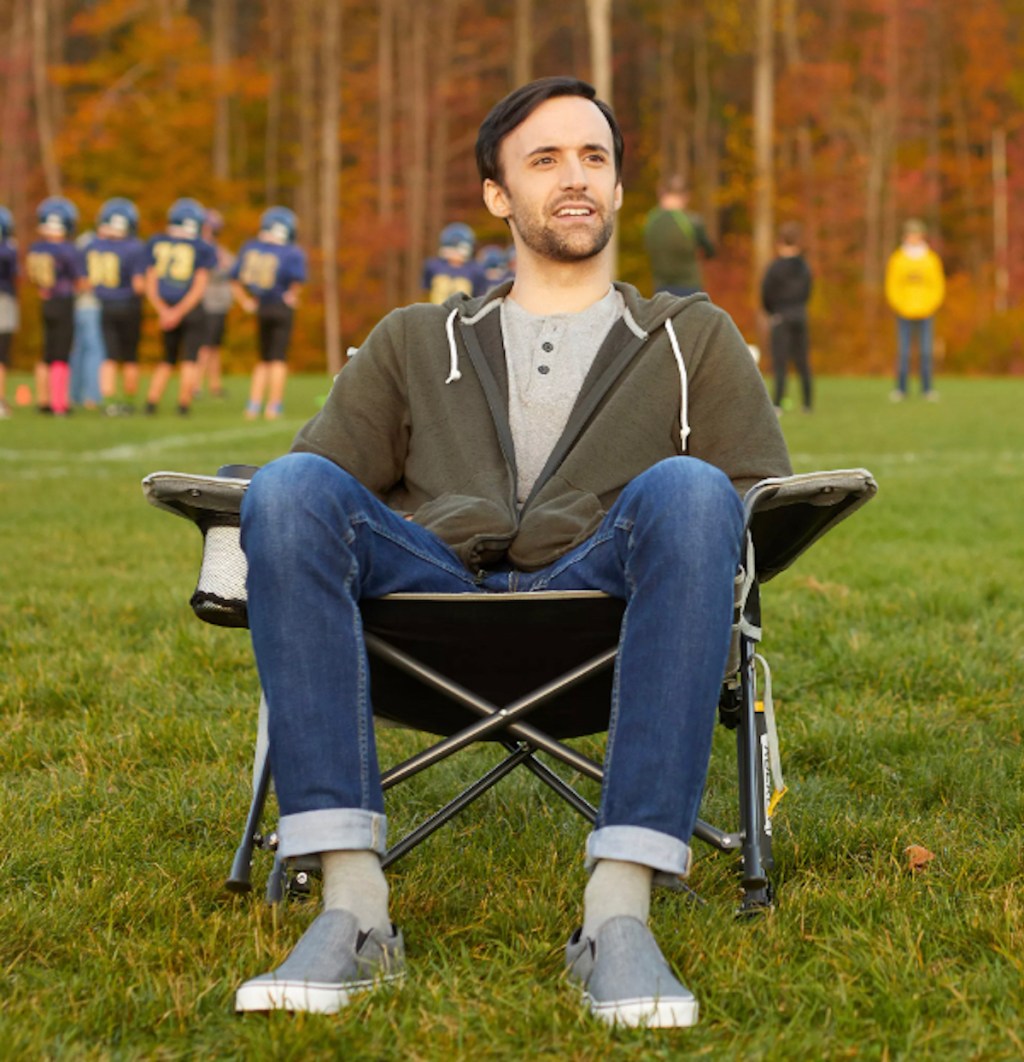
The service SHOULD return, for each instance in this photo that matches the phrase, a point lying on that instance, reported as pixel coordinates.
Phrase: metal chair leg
(241, 867)
(752, 754)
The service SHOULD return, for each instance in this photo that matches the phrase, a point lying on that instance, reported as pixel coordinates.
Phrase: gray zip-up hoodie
(420, 417)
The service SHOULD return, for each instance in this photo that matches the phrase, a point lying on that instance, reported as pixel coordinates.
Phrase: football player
(217, 301)
(57, 268)
(493, 261)
(117, 267)
(268, 276)
(453, 268)
(179, 262)
(9, 319)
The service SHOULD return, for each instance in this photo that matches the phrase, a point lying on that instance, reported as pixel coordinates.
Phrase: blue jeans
(317, 542)
(906, 327)
(87, 356)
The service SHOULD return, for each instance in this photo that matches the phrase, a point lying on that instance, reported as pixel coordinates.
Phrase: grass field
(897, 645)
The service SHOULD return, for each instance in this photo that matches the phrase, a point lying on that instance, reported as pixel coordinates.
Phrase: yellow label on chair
(776, 799)
(758, 706)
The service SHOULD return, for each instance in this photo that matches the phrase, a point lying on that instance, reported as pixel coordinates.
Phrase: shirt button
(543, 369)
(547, 347)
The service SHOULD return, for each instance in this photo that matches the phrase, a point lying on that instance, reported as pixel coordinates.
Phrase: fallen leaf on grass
(918, 858)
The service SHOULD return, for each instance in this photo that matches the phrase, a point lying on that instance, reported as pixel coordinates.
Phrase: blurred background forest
(846, 115)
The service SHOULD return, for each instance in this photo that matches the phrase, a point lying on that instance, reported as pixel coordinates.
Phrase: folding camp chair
(525, 671)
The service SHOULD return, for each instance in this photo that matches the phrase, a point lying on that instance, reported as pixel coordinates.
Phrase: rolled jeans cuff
(666, 854)
(332, 830)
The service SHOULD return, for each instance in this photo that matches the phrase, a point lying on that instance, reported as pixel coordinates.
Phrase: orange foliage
(138, 108)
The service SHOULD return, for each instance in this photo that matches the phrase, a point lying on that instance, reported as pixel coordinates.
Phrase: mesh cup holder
(220, 596)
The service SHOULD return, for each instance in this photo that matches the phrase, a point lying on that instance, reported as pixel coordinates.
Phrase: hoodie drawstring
(455, 374)
(684, 415)
(453, 350)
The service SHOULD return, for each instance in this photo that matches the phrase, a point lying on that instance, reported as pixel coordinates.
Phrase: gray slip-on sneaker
(625, 979)
(332, 961)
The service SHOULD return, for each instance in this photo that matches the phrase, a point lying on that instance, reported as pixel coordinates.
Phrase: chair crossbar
(521, 754)
(561, 788)
(493, 719)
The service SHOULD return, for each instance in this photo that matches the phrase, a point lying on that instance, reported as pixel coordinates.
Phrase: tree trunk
(804, 146)
(272, 139)
(13, 125)
(417, 119)
(304, 53)
(764, 135)
(444, 18)
(386, 145)
(41, 85)
(935, 116)
(668, 163)
(523, 66)
(1000, 216)
(879, 216)
(330, 175)
(890, 224)
(877, 156)
(705, 152)
(275, 19)
(222, 31)
(599, 23)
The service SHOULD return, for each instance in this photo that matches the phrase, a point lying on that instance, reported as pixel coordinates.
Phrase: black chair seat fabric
(500, 646)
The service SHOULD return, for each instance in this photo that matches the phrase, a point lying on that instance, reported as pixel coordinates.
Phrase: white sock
(616, 888)
(354, 880)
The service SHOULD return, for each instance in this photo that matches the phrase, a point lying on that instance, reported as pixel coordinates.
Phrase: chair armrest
(786, 515)
(213, 504)
(196, 497)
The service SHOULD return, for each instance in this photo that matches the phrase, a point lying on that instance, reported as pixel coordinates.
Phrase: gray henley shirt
(548, 358)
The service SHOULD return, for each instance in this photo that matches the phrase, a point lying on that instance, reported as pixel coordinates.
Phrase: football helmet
(280, 224)
(120, 216)
(187, 214)
(460, 237)
(57, 215)
(493, 258)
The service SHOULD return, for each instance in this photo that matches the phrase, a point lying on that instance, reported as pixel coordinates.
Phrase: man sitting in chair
(559, 433)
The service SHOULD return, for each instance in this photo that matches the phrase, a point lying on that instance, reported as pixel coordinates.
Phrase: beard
(573, 245)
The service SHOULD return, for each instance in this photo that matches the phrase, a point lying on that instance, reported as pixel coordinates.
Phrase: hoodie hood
(646, 314)
(642, 317)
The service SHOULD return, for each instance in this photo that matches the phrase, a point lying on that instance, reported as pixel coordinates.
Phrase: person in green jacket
(675, 239)
(915, 287)
(560, 432)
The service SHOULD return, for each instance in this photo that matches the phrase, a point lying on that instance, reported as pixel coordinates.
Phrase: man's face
(559, 191)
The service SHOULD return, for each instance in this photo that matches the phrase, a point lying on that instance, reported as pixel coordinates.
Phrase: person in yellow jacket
(915, 286)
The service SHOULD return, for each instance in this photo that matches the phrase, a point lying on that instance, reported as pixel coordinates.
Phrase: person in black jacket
(785, 292)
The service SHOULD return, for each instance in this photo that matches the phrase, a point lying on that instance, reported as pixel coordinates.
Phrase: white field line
(136, 451)
(927, 458)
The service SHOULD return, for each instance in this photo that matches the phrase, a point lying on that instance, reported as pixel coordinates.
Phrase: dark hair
(515, 108)
(790, 234)
(673, 185)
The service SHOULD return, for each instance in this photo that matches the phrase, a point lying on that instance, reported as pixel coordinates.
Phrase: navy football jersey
(268, 270)
(442, 279)
(175, 261)
(113, 264)
(55, 267)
